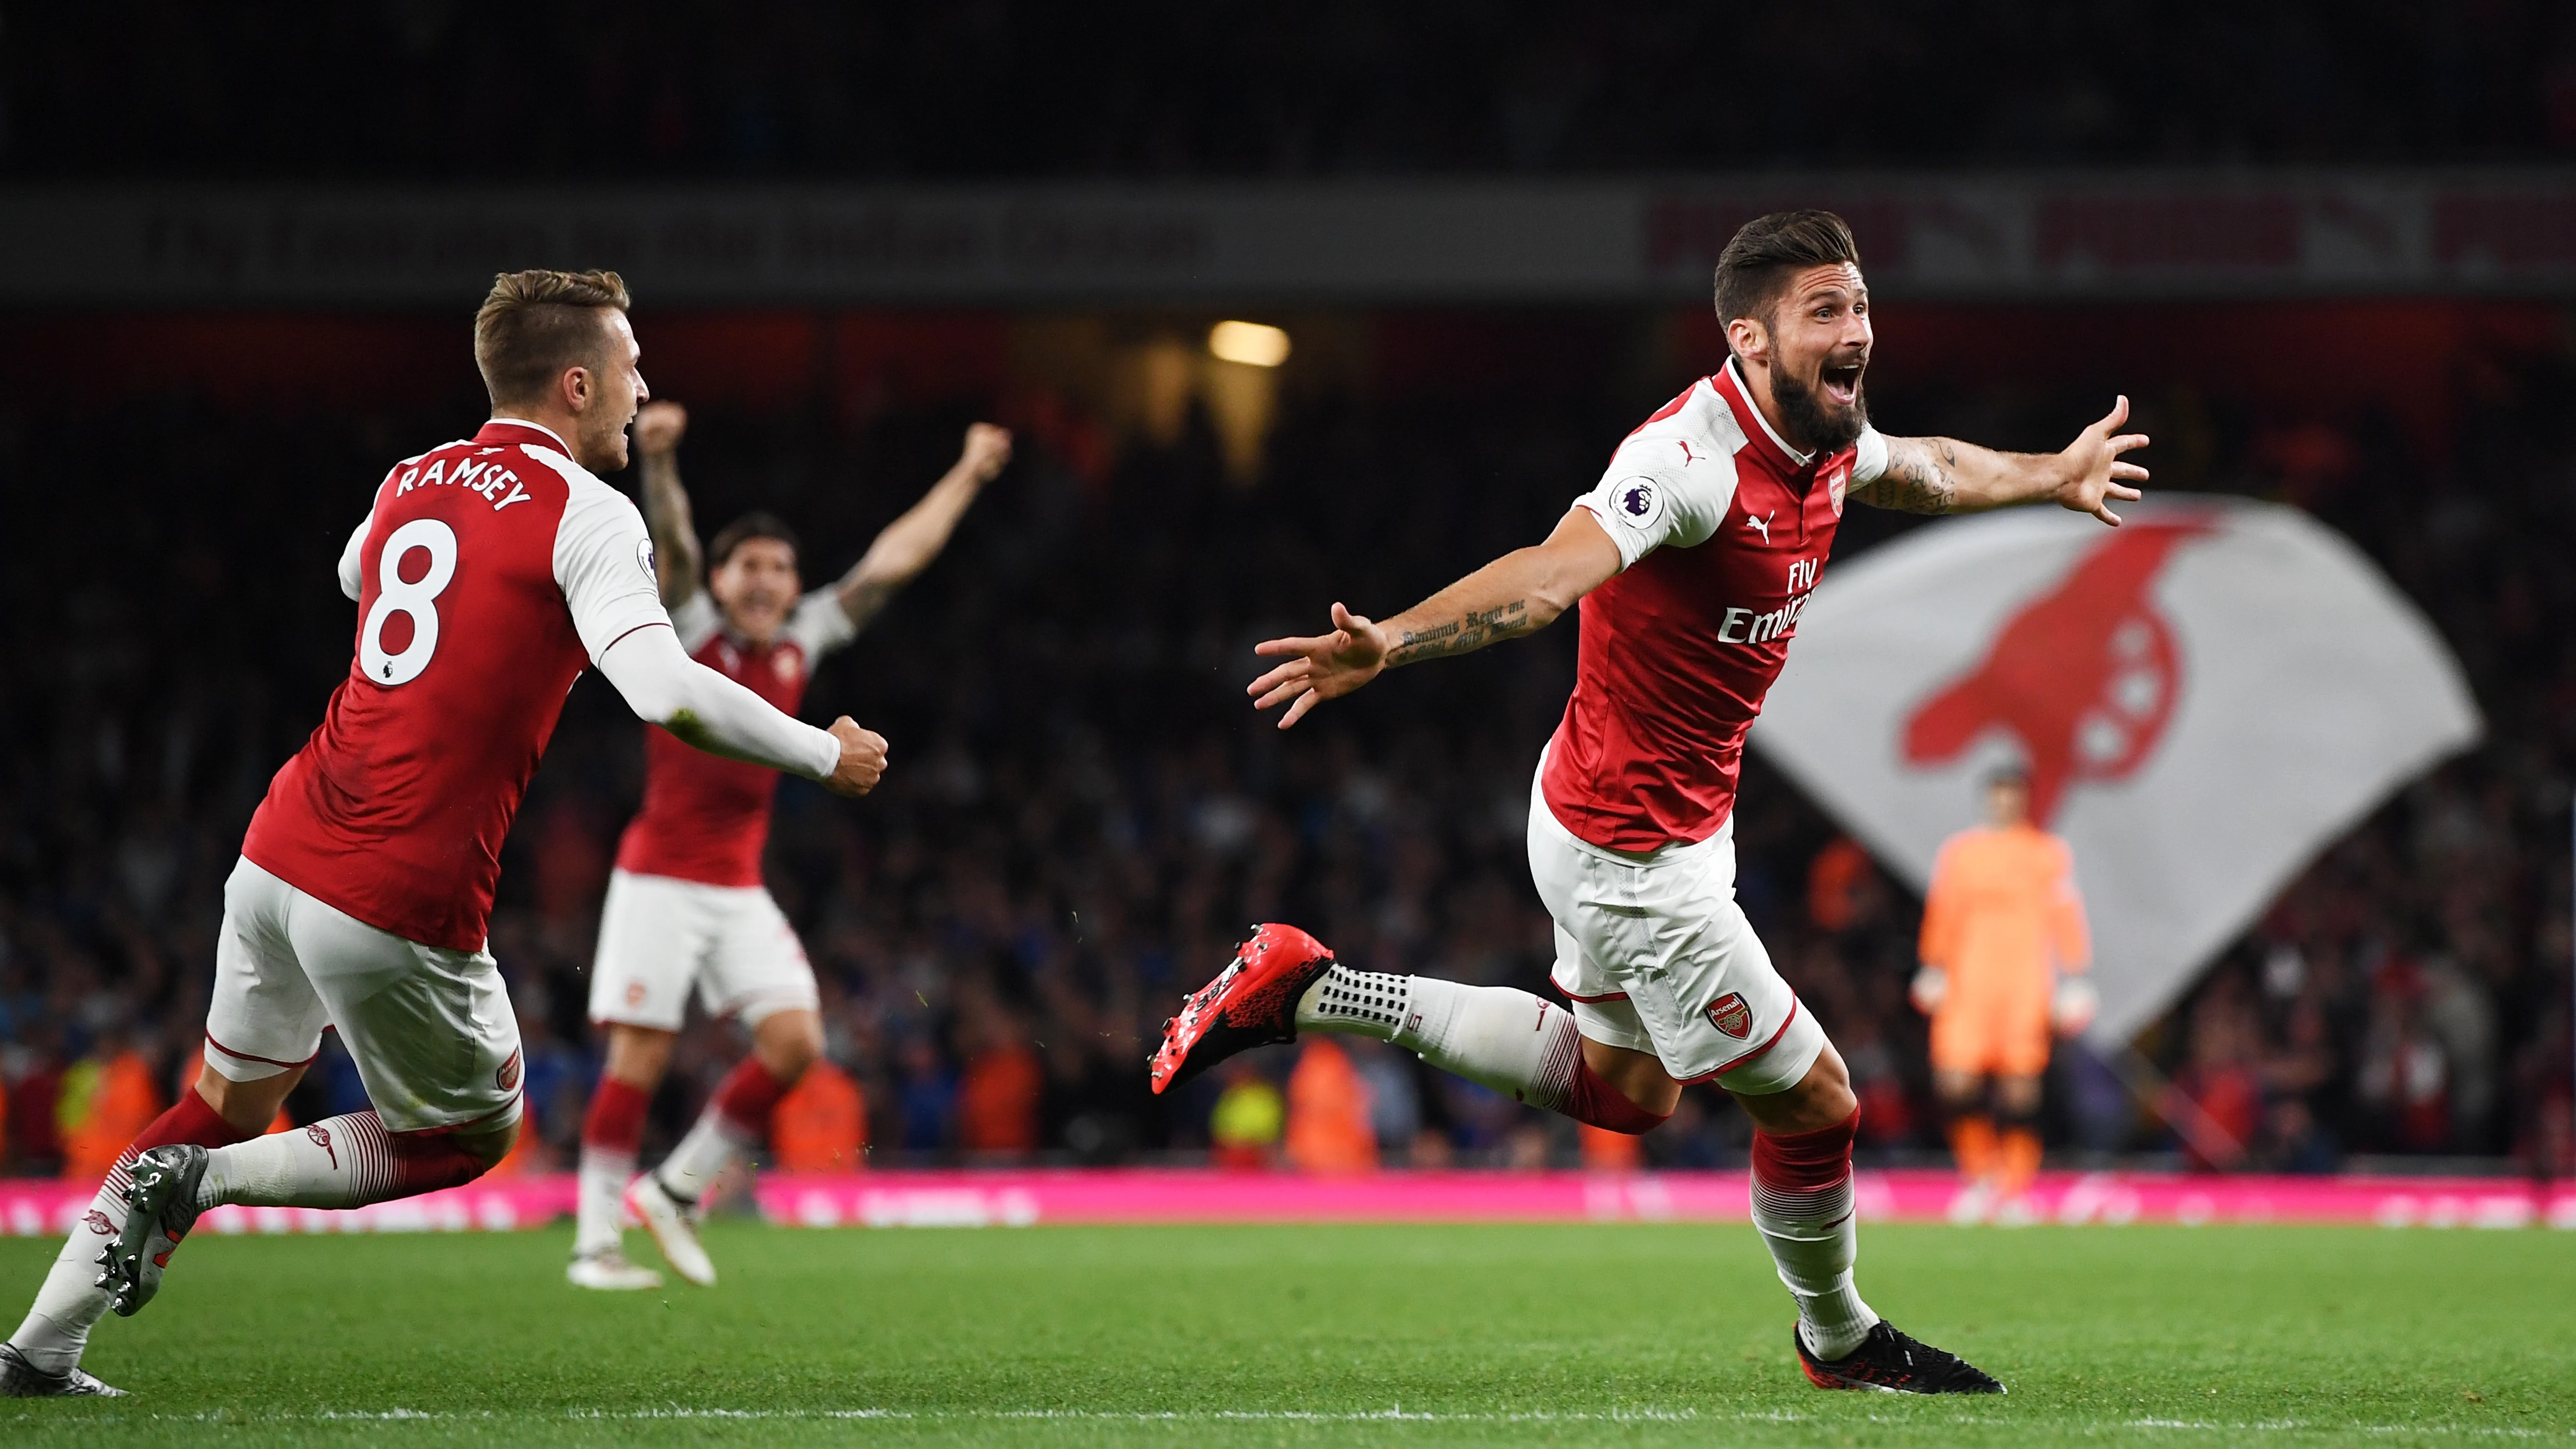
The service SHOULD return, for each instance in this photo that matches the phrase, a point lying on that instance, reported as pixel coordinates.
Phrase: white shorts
(1657, 956)
(657, 935)
(431, 1030)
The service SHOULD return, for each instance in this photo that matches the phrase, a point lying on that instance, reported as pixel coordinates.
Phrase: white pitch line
(1392, 1414)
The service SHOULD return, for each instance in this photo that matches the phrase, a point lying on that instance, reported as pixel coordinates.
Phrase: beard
(1814, 421)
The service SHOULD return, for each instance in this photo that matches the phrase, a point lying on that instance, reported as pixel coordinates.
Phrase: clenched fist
(658, 427)
(863, 759)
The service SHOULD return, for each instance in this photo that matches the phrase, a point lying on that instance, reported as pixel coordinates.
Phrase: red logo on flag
(1729, 1014)
(2085, 676)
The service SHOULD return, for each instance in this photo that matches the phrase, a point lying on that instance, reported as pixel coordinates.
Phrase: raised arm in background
(1944, 475)
(679, 563)
(1521, 592)
(908, 544)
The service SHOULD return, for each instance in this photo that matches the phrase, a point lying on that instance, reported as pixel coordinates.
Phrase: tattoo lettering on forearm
(1922, 477)
(1472, 632)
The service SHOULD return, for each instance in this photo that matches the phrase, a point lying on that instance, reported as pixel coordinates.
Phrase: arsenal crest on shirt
(1729, 1014)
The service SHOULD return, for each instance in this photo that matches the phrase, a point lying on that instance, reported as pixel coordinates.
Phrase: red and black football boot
(1893, 1363)
(1252, 1002)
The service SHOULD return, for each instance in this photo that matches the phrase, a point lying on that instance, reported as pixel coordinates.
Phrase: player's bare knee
(247, 1107)
(1822, 1098)
(788, 1042)
(638, 1055)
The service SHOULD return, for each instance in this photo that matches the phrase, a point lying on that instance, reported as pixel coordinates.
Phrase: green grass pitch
(1643, 1335)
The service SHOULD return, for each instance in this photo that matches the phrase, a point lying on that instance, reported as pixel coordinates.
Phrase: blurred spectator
(34, 1137)
(927, 1096)
(998, 1095)
(1250, 1116)
(106, 1099)
(821, 1125)
(2216, 1102)
(1329, 1132)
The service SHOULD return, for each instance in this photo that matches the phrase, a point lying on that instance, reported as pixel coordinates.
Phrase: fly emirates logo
(1745, 626)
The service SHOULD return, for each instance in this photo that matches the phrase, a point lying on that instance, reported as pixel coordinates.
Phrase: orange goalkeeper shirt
(2003, 918)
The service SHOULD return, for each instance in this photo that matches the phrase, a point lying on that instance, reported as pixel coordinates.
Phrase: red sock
(1593, 1100)
(191, 1119)
(1800, 1174)
(747, 1095)
(428, 1161)
(615, 1122)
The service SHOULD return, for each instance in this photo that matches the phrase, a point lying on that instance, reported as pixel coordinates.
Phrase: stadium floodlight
(1248, 342)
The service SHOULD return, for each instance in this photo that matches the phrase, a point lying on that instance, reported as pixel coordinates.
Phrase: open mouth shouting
(1840, 382)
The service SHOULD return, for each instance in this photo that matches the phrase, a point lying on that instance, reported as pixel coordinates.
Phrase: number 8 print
(393, 596)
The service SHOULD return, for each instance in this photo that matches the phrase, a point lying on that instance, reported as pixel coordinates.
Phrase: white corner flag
(2204, 699)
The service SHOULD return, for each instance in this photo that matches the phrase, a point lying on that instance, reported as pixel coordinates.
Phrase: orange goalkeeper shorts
(1983, 1046)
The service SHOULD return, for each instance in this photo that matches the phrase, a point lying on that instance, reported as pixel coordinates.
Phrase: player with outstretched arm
(488, 574)
(686, 905)
(1692, 560)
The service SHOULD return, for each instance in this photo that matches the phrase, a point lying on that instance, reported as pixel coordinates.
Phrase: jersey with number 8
(488, 574)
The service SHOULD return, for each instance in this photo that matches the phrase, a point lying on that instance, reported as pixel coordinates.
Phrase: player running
(488, 574)
(686, 904)
(1693, 559)
(2003, 955)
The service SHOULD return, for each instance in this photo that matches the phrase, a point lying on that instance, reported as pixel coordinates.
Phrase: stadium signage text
(2015, 235)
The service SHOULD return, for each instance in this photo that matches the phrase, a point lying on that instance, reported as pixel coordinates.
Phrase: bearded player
(488, 574)
(1692, 558)
(686, 904)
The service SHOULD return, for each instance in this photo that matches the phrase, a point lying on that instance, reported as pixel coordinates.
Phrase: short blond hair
(537, 323)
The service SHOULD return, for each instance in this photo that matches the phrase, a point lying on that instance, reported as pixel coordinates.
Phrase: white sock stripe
(1555, 1083)
(367, 1155)
(1802, 1206)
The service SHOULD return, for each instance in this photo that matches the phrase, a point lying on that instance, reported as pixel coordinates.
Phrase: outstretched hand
(1326, 666)
(2095, 474)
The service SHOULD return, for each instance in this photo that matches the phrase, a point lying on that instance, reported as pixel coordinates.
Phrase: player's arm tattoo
(1922, 477)
(677, 562)
(1465, 634)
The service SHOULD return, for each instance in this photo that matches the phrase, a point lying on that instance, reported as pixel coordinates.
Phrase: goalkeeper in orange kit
(2003, 955)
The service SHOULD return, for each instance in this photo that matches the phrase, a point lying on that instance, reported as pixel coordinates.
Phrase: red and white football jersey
(706, 818)
(1722, 530)
(489, 573)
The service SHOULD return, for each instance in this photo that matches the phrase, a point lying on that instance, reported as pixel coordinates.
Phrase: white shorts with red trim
(658, 936)
(1657, 956)
(431, 1030)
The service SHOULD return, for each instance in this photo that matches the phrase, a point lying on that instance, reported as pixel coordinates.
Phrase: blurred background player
(488, 574)
(2003, 954)
(686, 904)
(1692, 559)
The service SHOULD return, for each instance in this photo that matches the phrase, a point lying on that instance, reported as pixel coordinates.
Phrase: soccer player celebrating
(686, 903)
(2004, 949)
(1692, 559)
(488, 574)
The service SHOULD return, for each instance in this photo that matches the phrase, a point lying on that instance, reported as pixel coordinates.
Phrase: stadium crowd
(1083, 813)
(476, 89)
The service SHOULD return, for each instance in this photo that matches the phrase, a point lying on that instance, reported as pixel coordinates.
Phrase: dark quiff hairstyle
(743, 530)
(536, 324)
(1766, 251)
